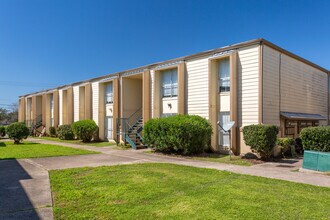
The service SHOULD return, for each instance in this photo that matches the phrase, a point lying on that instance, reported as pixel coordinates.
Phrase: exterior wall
(170, 105)
(82, 103)
(152, 87)
(293, 86)
(271, 86)
(60, 104)
(248, 88)
(197, 87)
(95, 102)
(131, 92)
(76, 103)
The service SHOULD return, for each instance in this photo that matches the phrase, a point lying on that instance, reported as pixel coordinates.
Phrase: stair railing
(125, 126)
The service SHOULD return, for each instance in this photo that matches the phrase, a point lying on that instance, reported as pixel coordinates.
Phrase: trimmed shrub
(52, 131)
(84, 129)
(183, 134)
(64, 132)
(316, 138)
(261, 139)
(2, 131)
(287, 145)
(17, 131)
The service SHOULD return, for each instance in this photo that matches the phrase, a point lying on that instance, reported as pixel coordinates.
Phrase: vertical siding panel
(95, 102)
(248, 85)
(198, 91)
(152, 80)
(60, 100)
(271, 86)
(76, 103)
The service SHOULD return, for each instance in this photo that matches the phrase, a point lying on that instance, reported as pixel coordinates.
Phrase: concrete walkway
(25, 188)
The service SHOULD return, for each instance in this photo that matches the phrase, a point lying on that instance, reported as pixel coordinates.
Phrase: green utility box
(315, 160)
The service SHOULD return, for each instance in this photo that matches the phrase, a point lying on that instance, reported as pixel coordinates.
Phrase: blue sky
(45, 43)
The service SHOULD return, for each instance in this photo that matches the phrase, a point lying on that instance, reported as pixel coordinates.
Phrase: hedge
(17, 131)
(183, 134)
(52, 131)
(2, 131)
(316, 138)
(286, 144)
(64, 132)
(84, 129)
(261, 138)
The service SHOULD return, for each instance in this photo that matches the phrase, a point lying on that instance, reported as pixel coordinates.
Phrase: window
(224, 118)
(108, 94)
(224, 75)
(169, 83)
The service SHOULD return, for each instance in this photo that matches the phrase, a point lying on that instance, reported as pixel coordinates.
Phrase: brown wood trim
(260, 86)
(101, 114)
(181, 88)
(43, 107)
(70, 110)
(21, 110)
(34, 108)
(146, 96)
(88, 101)
(115, 105)
(233, 101)
(157, 94)
(213, 103)
(56, 108)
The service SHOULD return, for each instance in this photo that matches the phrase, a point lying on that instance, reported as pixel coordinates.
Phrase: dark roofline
(190, 57)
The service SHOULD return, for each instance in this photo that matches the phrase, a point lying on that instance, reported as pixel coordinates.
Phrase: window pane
(169, 83)
(108, 94)
(224, 75)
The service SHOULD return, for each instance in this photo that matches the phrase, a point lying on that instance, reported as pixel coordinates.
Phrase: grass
(93, 143)
(167, 191)
(8, 150)
(218, 158)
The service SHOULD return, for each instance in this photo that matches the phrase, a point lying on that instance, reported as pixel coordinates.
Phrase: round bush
(64, 132)
(84, 129)
(286, 145)
(183, 134)
(2, 131)
(261, 138)
(52, 131)
(316, 138)
(17, 131)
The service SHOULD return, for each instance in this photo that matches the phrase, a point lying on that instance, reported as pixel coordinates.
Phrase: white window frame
(172, 86)
(224, 77)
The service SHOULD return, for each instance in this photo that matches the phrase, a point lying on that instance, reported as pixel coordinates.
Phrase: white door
(224, 142)
(109, 127)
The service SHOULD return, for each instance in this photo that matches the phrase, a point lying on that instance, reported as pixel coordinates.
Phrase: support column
(88, 101)
(181, 88)
(43, 109)
(56, 108)
(34, 108)
(233, 103)
(213, 103)
(21, 110)
(101, 110)
(157, 94)
(146, 96)
(69, 106)
(115, 105)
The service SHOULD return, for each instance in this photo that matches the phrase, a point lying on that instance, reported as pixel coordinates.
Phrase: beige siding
(60, 100)
(248, 78)
(303, 88)
(76, 103)
(197, 87)
(291, 85)
(271, 86)
(152, 81)
(95, 102)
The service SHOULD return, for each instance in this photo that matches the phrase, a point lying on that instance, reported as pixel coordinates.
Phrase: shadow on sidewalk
(14, 202)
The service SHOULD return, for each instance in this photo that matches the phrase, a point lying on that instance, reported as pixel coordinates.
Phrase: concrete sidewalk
(25, 187)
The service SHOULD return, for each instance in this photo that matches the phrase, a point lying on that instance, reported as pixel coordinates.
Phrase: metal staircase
(33, 125)
(130, 129)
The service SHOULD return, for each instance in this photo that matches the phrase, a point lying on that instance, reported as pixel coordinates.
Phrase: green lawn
(8, 150)
(93, 143)
(167, 191)
(219, 158)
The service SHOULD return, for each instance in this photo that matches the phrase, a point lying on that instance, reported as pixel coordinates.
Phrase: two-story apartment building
(250, 83)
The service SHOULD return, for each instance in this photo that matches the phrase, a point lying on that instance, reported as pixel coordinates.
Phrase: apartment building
(254, 82)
